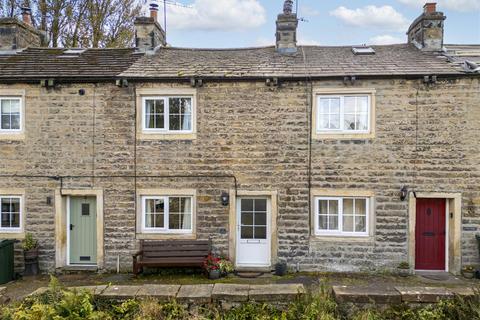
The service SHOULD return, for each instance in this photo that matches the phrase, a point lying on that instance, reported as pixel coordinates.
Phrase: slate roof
(41, 63)
(316, 61)
(459, 53)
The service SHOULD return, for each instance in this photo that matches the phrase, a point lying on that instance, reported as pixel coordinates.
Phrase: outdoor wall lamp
(403, 193)
(225, 198)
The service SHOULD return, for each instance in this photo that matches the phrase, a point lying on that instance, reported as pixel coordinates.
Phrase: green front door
(83, 230)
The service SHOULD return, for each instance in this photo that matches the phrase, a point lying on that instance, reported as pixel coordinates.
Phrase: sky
(247, 23)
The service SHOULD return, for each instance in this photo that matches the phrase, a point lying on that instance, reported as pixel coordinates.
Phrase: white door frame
(272, 195)
(62, 219)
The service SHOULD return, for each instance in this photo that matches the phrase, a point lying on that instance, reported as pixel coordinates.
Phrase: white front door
(253, 232)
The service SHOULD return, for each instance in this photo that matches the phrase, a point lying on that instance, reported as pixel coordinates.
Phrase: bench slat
(153, 254)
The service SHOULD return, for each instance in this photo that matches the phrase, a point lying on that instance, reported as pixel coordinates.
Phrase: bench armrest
(136, 254)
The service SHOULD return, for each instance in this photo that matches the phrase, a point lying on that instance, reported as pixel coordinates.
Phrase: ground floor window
(10, 212)
(165, 214)
(342, 216)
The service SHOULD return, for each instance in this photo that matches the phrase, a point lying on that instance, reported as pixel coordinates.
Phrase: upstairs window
(10, 213)
(167, 114)
(343, 114)
(10, 114)
(342, 216)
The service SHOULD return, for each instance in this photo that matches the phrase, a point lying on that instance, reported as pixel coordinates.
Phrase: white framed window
(11, 211)
(343, 114)
(167, 214)
(11, 114)
(344, 216)
(167, 114)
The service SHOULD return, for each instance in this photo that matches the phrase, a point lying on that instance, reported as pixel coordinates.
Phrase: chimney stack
(426, 32)
(286, 34)
(148, 32)
(26, 15)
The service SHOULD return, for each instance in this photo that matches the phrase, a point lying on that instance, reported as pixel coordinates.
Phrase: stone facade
(426, 138)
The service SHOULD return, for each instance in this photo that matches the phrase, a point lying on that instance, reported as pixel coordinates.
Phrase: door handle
(71, 227)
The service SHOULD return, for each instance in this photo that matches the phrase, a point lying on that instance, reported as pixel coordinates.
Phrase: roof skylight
(362, 51)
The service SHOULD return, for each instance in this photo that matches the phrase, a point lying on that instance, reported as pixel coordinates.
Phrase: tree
(81, 23)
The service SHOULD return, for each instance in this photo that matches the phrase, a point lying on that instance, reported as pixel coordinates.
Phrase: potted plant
(30, 253)
(468, 272)
(403, 269)
(212, 266)
(226, 266)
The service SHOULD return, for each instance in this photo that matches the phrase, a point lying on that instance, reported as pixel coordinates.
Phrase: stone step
(423, 294)
(350, 294)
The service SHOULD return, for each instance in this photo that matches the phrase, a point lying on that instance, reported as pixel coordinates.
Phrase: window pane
(362, 104)
(159, 220)
(246, 232)
(360, 207)
(247, 204)
(5, 106)
(260, 232)
(348, 206)
(174, 122)
(186, 205)
(335, 106)
(349, 105)
(174, 105)
(186, 105)
(15, 205)
(159, 121)
(186, 122)
(324, 106)
(149, 106)
(6, 205)
(334, 122)
(186, 221)
(348, 223)
(360, 224)
(333, 223)
(247, 218)
(15, 223)
(260, 205)
(174, 221)
(149, 220)
(323, 222)
(174, 205)
(15, 106)
(260, 218)
(323, 122)
(349, 122)
(322, 206)
(362, 122)
(333, 204)
(5, 121)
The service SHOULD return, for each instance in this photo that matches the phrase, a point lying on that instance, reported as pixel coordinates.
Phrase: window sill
(338, 238)
(12, 235)
(12, 136)
(166, 236)
(342, 136)
(166, 136)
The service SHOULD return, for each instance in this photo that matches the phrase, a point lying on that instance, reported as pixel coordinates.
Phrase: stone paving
(198, 294)
(398, 294)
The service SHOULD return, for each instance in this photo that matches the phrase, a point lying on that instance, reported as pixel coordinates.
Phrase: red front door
(430, 234)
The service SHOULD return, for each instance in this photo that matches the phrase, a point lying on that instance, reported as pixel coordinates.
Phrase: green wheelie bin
(6, 261)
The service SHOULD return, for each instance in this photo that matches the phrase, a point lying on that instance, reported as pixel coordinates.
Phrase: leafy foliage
(29, 243)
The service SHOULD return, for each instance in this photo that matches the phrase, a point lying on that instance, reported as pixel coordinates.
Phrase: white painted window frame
(166, 220)
(166, 129)
(8, 229)
(20, 99)
(342, 130)
(339, 231)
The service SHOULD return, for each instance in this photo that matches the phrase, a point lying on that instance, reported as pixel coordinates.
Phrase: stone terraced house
(348, 158)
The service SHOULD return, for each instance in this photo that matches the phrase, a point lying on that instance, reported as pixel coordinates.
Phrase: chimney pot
(430, 7)
(154, 11)
(26, 15)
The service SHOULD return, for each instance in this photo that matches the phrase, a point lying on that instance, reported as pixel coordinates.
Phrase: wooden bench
(172, 253)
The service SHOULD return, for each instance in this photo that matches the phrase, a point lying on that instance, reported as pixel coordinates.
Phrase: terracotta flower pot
(468, 274)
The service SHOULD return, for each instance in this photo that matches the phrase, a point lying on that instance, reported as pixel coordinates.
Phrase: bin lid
(6, 242)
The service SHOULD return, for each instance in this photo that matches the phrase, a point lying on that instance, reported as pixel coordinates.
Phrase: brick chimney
(286, 34)
(426, 32)
(15, 34)
(148, 32)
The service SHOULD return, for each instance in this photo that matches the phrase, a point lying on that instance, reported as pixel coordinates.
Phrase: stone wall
(426, 138)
